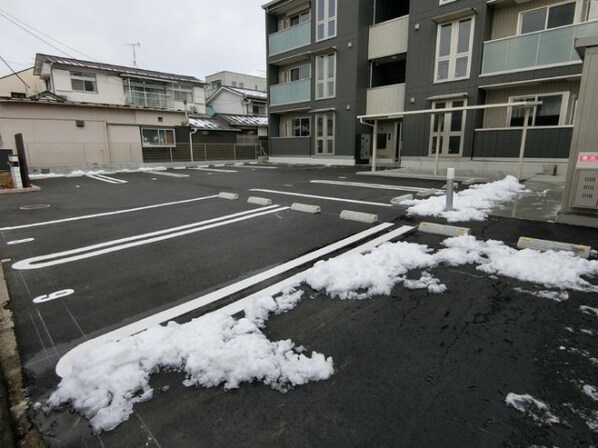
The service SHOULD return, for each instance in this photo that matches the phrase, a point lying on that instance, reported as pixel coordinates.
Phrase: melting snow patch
(589, 310)
(590, 391)
(473, 204)
(539, 411)
(556, 296)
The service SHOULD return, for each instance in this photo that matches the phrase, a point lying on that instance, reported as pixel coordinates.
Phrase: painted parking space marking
(256, 167)
(213, 169)
(64, 365)
(53, 296)
(326, 198)
(23, 241)
(104, 178)
(117, 212)
(167, 174)
(368, 185)
(95, 250)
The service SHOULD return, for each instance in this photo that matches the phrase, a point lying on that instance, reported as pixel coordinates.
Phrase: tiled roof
(118, 69)
(209, 124)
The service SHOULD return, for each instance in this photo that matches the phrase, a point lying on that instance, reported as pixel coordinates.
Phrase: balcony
(388, 38)
(150, 99)
(535, 50)
(293, 37)
(386, 99)
(292, 92)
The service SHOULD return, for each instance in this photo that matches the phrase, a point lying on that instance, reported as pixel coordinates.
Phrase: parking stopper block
(305, 208)
(580, 250)
(229, 196)
(442, 229)
(368, 218)
(259, 201)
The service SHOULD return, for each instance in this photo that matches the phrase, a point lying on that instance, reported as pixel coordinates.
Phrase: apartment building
(234, 79)
(341, 71)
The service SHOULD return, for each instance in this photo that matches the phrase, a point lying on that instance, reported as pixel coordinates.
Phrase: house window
(299, 73)
(326, 76)
(546, 18)
(447, 129)
(84, 82)
(300, 127)
(299, 18)
(551, 112)
(182, 95)
(258, 109)
(325, 133)
(453, 50)
(325, 19)
(156, 138)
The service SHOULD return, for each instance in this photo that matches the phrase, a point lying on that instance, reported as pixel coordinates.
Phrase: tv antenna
(133, 46)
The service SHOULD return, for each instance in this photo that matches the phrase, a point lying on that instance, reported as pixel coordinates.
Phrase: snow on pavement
(473, 204)
(539, 411)
(217, 349)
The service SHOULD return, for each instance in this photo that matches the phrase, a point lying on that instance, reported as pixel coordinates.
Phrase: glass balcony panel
(293, 37)
(292, 92)
(550, 47)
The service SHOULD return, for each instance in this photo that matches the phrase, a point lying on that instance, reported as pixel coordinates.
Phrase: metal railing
(203, 152)
(150, 99)
(290, 92)
(293, 37)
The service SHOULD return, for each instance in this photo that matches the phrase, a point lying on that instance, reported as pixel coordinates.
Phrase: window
(325, 133)
(326, 19)
(300, 127)
(182, 95)
(453, 50)
(546, 18)
(449, 128)
(83, 82)
(234, 83)
(157, 137)
(299, 73)
(326, 76)
(258, 109)
(551, 112)
(299, 18)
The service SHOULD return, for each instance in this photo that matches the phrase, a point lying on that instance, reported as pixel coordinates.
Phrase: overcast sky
(188, 37)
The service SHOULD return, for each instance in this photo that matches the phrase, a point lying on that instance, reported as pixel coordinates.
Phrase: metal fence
(203, 152)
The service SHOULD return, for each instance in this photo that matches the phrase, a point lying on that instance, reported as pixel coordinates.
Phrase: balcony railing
(386, 99)
(150, 99)
(388, 38)
(534, 50)
(285, 40)
(292, 92)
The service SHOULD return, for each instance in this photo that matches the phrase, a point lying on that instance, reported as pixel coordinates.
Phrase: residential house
(384, 62)
(21, 84)
(234, 79)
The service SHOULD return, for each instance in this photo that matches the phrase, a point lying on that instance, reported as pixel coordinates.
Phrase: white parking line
(167, 174)
(366, 185)
(213, 169)
(103, 178)
(326, 198)
(95, 250)
(64, 365)
(97, 215)
(256, 167)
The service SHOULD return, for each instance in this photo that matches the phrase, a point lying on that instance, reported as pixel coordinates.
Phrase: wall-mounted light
(412, 100)
(416, 27)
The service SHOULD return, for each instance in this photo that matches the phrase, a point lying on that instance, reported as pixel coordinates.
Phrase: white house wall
(12, 83)
(110, 89)
(228, 103)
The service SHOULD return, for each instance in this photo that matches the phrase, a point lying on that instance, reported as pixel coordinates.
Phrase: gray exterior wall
(550, 143)
(296, 147)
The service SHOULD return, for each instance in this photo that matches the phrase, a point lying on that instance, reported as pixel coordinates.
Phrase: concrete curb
(14, 424)
(20, 190)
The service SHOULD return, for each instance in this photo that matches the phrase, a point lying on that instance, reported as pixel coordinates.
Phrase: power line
(14, 73)
(46, 35)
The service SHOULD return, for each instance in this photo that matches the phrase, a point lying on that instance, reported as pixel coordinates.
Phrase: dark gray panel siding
(296, 146)
(553, 143)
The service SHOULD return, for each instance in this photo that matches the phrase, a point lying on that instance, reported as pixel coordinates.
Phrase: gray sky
(189, 37)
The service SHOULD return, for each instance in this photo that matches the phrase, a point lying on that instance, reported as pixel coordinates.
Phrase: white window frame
(446, 131)
(453, 55)
(159, 130)
(82, 76)
(188, 92)
(547, 8)
(323, 61)
(563, 121)
(289, 69)
(325, 138)
(325, 21)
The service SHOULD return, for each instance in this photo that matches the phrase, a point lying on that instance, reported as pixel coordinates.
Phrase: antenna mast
(133, 46)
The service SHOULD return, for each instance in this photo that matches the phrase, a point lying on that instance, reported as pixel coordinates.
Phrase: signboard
(587, 160)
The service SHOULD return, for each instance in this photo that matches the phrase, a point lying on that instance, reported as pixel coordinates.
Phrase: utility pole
(133, 46)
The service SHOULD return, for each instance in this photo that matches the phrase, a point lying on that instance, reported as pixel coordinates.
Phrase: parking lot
(114, 254)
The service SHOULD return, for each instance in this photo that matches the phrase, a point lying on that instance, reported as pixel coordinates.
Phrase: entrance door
(449, 127)
(325, 133)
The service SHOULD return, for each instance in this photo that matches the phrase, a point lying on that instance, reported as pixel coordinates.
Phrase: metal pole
(22, 160)
(523, 141)
(450, 177)
(191, 142)
(438, 136)
(374, 145)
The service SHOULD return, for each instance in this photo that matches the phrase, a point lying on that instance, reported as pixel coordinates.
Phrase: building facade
(336, 68)
(234, 79)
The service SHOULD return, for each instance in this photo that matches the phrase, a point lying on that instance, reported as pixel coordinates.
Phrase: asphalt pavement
(411, 368)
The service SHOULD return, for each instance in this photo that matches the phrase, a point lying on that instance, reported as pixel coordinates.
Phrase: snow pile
(539, 411)
(590, 311)
(473, 204)
(82, 173)
(556, 296)
(590, 391)
(215, 349)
